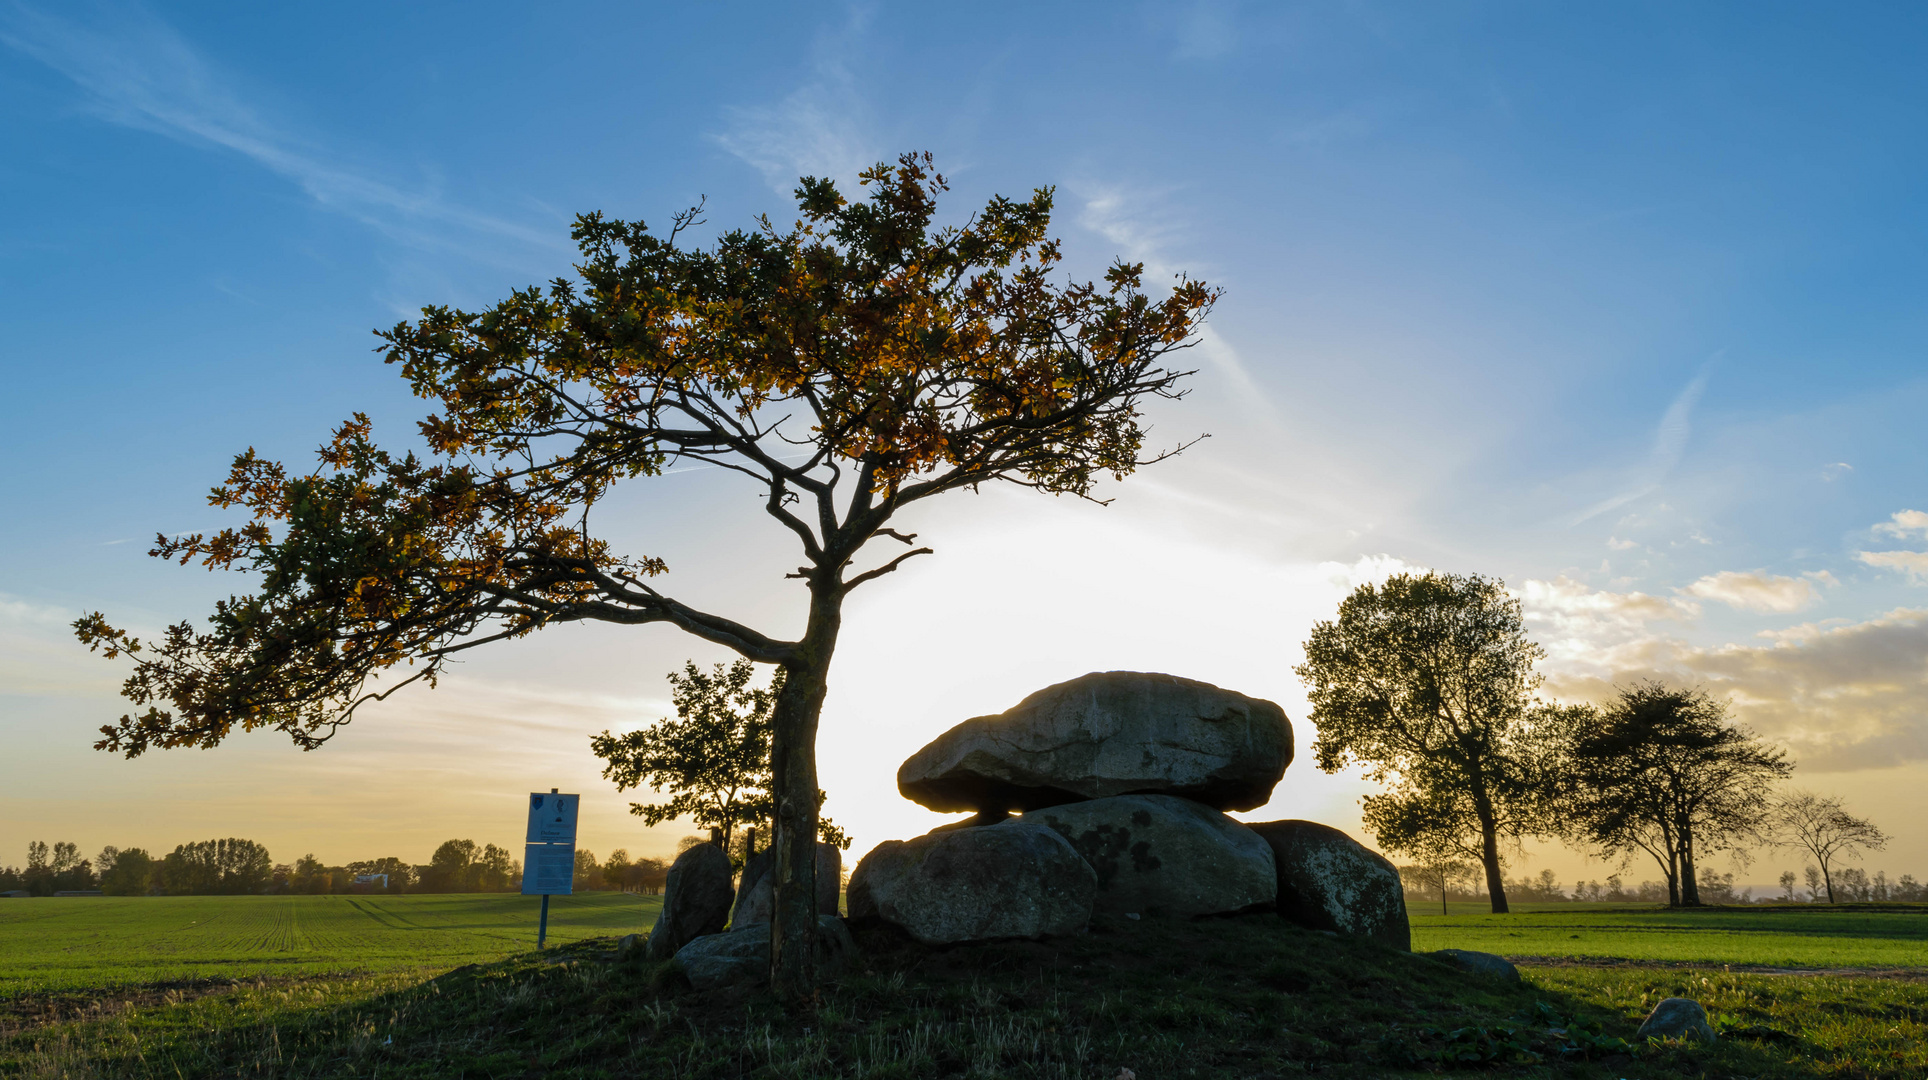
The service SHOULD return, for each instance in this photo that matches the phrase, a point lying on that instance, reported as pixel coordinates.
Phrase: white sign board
(552, 818)
(548, 869)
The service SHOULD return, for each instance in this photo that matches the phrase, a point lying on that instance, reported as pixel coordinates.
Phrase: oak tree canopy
(850, 365)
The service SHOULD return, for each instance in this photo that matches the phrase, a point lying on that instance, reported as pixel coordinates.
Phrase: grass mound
(1239, 997)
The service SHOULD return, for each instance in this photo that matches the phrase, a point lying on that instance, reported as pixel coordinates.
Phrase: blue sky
(1621, 306)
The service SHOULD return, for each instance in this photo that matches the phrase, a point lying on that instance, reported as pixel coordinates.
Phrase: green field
(64, 944)
(358, 986)
(1772, 937)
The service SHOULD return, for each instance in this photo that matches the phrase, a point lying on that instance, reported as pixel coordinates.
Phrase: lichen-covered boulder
(743, 954)
(1104, 734)
(754, 890)
(1480, 963)
(1001, 881)
(1677, 1018)
(696, 900)
(1159, 855)
(1329, 881)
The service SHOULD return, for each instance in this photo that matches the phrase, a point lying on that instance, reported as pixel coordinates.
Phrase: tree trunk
(1689, 881)
(1489, 851)
(1827, 879)
(793, 766)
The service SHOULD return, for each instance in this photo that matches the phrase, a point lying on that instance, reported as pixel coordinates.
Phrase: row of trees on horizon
(1461, 883)
(241, 867)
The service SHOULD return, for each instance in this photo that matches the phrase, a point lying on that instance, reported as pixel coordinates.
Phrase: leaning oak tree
(856, 363)
(1426, 681)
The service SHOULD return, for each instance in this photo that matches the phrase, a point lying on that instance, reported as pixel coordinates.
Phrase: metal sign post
(549, 851)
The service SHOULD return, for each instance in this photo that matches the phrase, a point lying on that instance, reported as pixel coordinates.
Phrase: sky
(1620, 306)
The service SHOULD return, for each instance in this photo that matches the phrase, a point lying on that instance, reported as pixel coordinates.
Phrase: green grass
(59, 945)
(1790, 937)
(1216, 999)
(1226, 999)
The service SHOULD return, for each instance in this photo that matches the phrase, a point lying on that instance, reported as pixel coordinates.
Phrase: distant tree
(616, 869)
(855, 364)
(126, 872)
(1663, 770)
(230, 866)
(1438, 875)
(1821, 826)
(56, 869)
(448, 869)
(1717, 888)
(311, 876)
(495, 870)
(400, 874)
(1426, 681)
(1816, 887)
(712, 759)
(1788, 882)
(38, 877)
(648, 875)
(589, 873)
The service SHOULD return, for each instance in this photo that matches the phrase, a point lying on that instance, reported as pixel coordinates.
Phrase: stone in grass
(1157, 855)
(696, 900)
(1003, 881)
(755, 890)
(1103, 734)
(742, 956)
(1480, 963)
(1329, 881)
(1677, 1018)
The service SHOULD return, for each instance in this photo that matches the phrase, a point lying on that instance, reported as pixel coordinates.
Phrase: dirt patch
(1911, 974)
(36, 1010)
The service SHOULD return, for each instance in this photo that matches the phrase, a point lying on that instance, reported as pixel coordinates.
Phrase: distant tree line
(1426, 683)
(236, 867)
(230, 866)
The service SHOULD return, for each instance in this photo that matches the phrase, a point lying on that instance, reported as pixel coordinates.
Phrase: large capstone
(696, 900)
(1002, 881)
(1329, 881)
(1162, 856)
(1107, 733)
(754, 895)
(742, 956)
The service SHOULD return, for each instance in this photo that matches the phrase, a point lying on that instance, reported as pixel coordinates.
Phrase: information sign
(552, 818)
(548, 869)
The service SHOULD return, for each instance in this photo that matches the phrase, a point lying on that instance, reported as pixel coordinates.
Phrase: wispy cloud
(1912, 563)
(137, 71)
(1137, 224)
(1756, 590)
(1904, 523)
(823, 128)
(1842, 695)
(15, 610)
(1582, 621)
(1670, 442)
(1366, 570)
